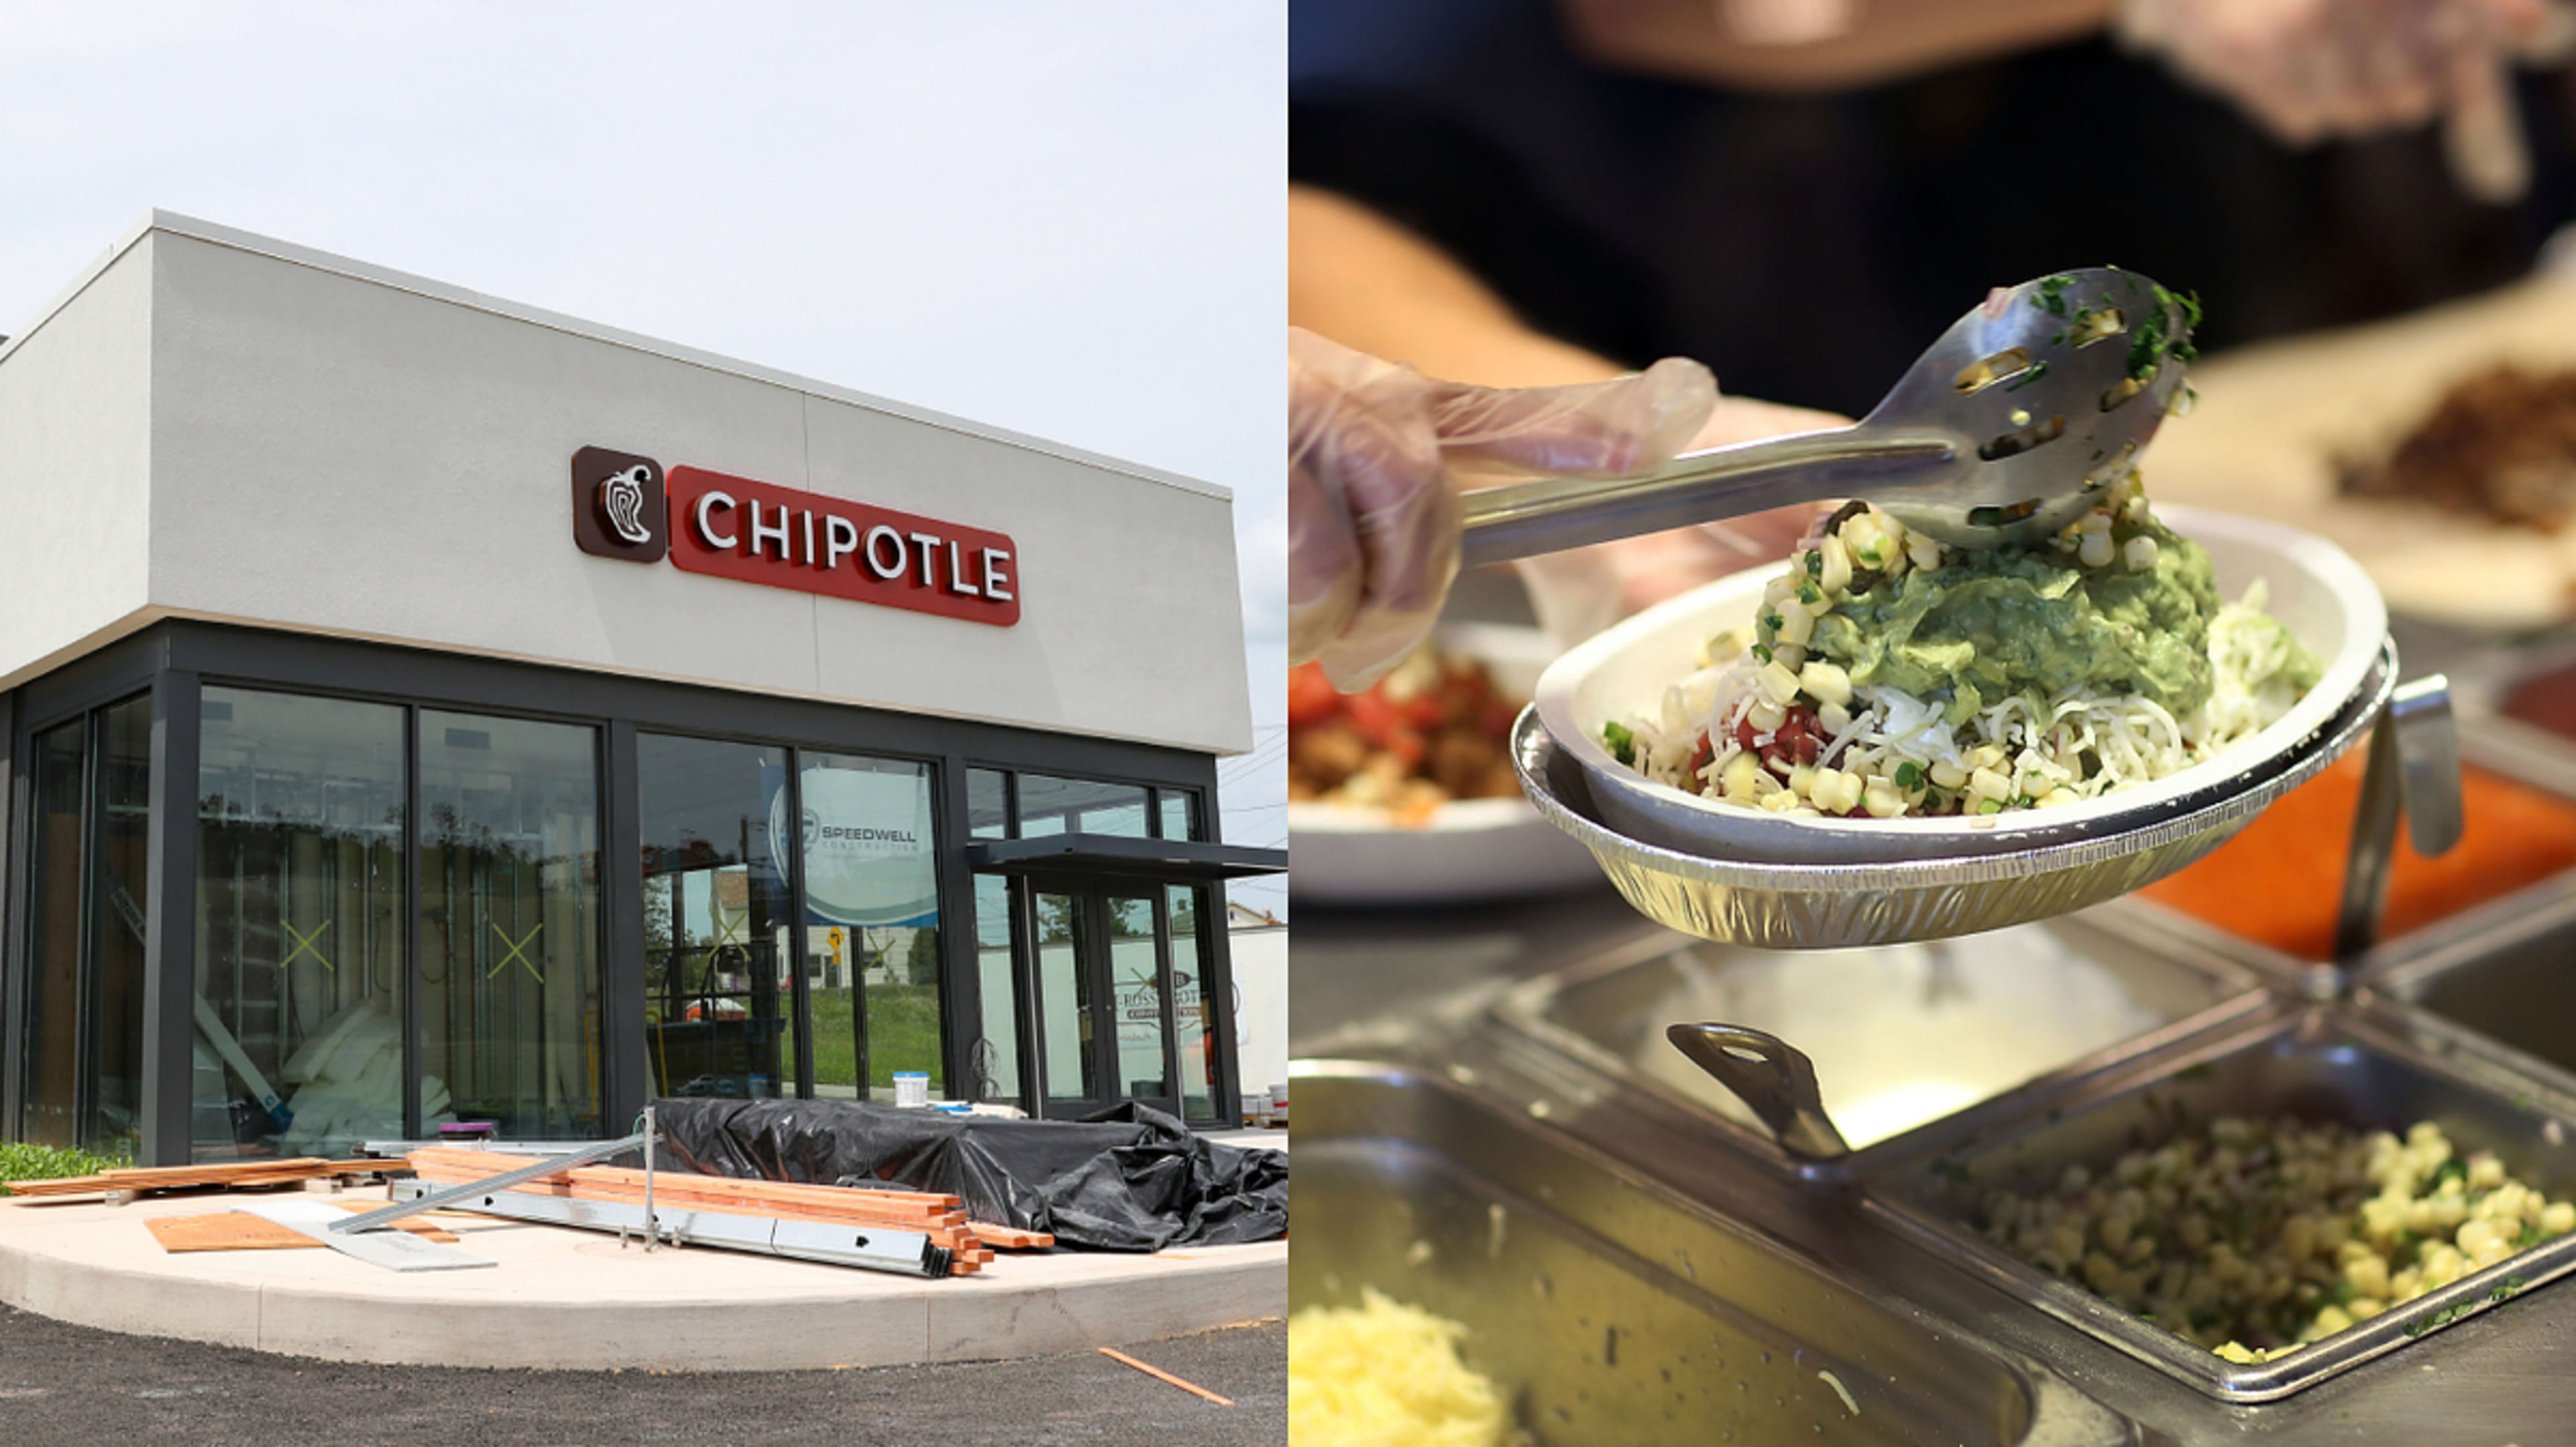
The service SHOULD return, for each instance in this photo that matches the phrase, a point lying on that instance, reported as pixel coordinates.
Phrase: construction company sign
(625, 507)
(865, 842)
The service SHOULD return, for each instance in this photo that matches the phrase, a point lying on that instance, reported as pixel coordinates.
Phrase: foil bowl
(1837, 905)
(2324, 598)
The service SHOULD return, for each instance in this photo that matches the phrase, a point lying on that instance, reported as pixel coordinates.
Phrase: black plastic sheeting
(1128, 1179)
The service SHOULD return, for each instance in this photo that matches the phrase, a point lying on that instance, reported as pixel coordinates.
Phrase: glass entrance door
(1101, 983)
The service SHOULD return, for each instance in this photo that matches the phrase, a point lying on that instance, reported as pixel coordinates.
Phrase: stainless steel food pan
(1611, 1311)
(1901, 1035)
(2497, 991)
(2317, 1064)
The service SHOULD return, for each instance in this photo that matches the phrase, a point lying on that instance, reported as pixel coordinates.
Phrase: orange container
(2280, 882)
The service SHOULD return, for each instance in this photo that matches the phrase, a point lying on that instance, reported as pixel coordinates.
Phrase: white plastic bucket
(912, 1088)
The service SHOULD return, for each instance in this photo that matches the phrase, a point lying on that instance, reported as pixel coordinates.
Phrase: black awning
(1176, 860)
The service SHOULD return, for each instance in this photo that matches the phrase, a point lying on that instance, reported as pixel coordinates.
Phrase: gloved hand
(2308, 69)
(1375, 453)
(1579, 592)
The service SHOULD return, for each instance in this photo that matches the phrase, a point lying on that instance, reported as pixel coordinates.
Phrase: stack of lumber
(941, 1218)
(227, 1174)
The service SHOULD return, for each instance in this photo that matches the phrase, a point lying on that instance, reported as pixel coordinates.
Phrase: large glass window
(719, 924)
(1193, 1011)
(89, 914)
(49, 1113)
(997, 1050)
(1180, 813)
(300, 926)
(509, 923)
(871, 864)
(1050, 805)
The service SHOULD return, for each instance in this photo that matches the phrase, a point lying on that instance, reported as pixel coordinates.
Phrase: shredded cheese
(1384, 1374)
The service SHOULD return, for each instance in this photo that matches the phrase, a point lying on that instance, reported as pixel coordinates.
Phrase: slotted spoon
(2000, 433)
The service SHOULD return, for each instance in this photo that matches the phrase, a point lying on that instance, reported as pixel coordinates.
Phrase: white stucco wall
(75, 469)
(329, 447)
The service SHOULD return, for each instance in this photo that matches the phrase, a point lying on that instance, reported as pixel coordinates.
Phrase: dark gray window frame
(175, 659)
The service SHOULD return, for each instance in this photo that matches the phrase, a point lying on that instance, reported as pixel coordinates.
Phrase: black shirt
(1809, 247)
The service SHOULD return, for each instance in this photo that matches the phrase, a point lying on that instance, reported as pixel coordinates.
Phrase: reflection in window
(1050, 805)
(299, 926)
(1180, 814)
(998, 1049)
(1064, 998)
(83, 1062)
(122, 795)
(988, 804)
(872, 879)
(49, 1110)
(509, 922)
(997, 1054)
(1192, 1009)
(718, 924)
(1136, 992)
(996, 1059)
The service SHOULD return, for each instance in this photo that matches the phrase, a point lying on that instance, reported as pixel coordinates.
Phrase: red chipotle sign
(624, 506)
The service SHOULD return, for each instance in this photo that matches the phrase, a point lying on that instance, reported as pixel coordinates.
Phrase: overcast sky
(1063, 217)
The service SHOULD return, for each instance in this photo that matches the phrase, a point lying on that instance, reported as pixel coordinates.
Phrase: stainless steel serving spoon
(1773, 1078)
(2000, 433)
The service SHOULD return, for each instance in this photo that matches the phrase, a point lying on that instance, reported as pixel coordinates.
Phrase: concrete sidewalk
(561, 1298)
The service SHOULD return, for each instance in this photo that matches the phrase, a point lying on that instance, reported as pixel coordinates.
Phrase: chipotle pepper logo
(617, 506)
(756, 532)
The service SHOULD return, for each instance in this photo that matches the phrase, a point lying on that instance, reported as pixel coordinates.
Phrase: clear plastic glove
(2309, 69)
(1580, 592)
(1375, 455)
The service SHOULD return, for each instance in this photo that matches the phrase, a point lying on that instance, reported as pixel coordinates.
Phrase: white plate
(2319, 593)
(1471, 849)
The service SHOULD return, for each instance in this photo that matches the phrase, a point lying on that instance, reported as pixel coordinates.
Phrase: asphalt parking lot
(68, 1386)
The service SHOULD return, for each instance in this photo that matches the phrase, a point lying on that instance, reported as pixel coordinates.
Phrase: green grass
(44, 1163)
(903, 1029)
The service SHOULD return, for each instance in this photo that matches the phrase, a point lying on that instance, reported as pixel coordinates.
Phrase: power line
(1270, 747)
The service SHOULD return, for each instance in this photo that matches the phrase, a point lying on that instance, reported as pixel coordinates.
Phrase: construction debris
(1158, 1374)
(241, 1231)
(131, 1181)
(940, 1219)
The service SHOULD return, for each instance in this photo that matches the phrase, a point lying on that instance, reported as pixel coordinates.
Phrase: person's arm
(1361, 280)
(1819, 45)
(1371, 285)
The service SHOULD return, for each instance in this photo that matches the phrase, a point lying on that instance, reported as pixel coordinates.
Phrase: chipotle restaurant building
(420, 708)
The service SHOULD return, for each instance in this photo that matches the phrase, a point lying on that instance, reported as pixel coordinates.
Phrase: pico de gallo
(1431, 731)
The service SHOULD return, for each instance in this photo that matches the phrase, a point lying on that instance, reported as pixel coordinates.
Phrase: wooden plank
(129, 1177)
(240, 1231)
(210, 1173)
(1158, 1374)
(1009, 1238)
(761, 1197)
(493, 1162)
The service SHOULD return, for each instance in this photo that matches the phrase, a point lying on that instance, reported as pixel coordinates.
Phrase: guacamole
(1999, 621)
